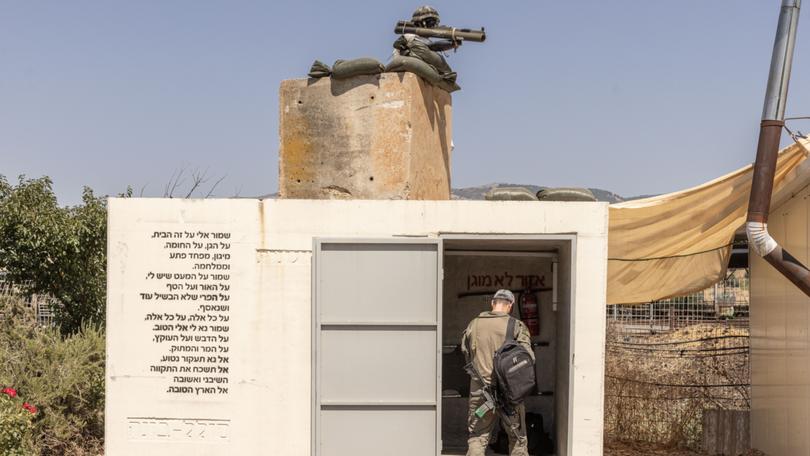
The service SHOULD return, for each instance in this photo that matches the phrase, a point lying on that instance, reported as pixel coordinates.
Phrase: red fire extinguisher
(529, 312)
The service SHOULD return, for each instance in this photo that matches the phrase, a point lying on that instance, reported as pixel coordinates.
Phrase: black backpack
(513, 370)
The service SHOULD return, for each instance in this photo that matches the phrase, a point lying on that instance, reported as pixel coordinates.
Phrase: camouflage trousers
(480, 429)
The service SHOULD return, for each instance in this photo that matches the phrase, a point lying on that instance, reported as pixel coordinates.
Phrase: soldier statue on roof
(428, 17)
(418, 50)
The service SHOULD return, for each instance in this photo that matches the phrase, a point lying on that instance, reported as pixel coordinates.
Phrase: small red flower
(30, 408)
(11, 392)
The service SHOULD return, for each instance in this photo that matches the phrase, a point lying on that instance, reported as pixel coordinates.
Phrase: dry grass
(657, 386)
(617, 448)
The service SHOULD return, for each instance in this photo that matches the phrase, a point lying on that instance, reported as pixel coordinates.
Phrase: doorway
(474, 268)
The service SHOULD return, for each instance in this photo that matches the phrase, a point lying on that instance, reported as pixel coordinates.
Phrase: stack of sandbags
(510, 194)
(565, 194)
(412, 55)
(345, 69)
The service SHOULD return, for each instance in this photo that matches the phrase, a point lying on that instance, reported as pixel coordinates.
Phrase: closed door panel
(378, 432)
(376, 334)
(378, 283)
(389, 365)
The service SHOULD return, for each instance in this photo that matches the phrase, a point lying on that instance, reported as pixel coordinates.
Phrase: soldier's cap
(506, 295)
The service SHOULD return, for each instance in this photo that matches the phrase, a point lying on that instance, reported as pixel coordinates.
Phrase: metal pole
(773, 120)
(781, 61)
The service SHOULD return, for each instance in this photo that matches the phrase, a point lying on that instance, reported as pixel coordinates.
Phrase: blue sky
(633, 96)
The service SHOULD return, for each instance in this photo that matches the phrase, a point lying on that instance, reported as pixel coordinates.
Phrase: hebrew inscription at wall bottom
(178, 430)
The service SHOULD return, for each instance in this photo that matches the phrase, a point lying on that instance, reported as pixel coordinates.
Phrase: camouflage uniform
(483, 336)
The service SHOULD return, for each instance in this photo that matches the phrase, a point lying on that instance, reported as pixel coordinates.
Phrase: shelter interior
(474, 268)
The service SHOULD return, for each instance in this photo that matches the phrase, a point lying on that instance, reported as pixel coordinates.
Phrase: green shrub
(61, 375)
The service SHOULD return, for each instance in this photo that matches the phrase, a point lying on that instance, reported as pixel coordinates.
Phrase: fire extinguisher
(529, 312)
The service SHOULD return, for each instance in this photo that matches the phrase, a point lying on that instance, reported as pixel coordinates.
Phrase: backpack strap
(510, 330)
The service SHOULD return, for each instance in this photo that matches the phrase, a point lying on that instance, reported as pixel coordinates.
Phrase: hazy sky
(634, 96)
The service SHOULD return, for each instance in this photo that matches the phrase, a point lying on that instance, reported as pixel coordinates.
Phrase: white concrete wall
(563, 382)
(142, 416)
(267, 407)
(780, 340)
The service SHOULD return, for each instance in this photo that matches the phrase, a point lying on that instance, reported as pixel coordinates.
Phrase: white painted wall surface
(780, 340)
(267, 407)
(141, 416)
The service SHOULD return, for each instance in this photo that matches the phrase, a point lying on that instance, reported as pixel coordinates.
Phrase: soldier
(482, 338)
(425, 49)
(427, 17)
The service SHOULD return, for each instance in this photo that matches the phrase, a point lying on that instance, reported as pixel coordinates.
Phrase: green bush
(62, 375)
(54, 250)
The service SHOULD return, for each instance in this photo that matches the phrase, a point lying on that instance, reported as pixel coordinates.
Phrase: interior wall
(480, 277)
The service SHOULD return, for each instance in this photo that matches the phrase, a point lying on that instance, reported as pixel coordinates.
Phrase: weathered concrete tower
(384, 136)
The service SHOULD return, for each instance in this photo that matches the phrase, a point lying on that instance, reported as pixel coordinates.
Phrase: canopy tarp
(679, 243)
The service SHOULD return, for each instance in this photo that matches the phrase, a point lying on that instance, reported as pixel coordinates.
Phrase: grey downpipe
(773, 120)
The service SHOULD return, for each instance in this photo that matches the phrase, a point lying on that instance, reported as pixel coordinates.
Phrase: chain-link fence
(668, 361)
(726, 302)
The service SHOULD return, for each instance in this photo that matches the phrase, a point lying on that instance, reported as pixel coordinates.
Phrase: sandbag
(344, 69)
(510, 194)
(415, 66)
(447, 86)
(420, 68)
(565, 194)
(319, 70)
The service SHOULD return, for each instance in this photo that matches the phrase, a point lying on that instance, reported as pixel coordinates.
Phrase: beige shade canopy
(679, 243)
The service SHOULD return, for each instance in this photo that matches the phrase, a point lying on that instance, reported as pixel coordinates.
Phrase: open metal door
(376, 347)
